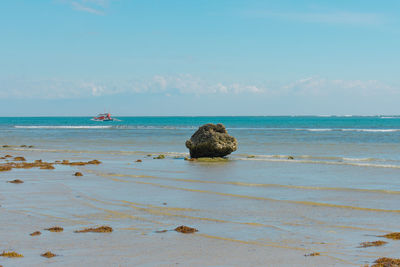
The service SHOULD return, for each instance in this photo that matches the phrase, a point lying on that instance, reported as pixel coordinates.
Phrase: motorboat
(104, 117)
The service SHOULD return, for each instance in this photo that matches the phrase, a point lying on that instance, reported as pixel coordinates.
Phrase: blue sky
(204, 57)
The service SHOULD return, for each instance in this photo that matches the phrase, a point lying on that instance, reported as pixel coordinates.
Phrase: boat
(104, 117)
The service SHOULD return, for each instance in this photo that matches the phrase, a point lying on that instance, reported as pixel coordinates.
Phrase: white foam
(62, 127)
(371, 130)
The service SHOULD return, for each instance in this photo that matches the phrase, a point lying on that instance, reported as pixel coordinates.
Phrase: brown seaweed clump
(372, 244)
(139, 160)
(8, 156)
(11, 254)
(95, 161)
(16, 181)
(47, 167)
(185, 229)
(4, 168)
(80, 163)
(101, 229)
(55, 229)
(313, 254)
(160, 157)
(394, 236)
(35, 233)
(78, 174)
(26, 165)
(386, 262)
(48, 254)
(19, 159)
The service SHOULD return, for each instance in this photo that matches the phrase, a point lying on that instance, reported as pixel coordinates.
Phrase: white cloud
(97, 7)
(321, 86)
(168, 84)
(81, 7)
(186, 84)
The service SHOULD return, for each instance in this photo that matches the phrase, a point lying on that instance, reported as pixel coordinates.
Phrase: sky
(203, 57)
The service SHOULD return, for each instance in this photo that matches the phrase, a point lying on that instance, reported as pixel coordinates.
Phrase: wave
(63, 127)
(171, 127)
(358, 164)
(348, 130)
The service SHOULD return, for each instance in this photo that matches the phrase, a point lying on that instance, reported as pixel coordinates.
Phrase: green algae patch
(212, 159)
(386, 262)
(372, 244)
(55, 229)
(48, 254)
(185, 229)
(160, 157)
(101, 229)
(394, 236)
(11, 254)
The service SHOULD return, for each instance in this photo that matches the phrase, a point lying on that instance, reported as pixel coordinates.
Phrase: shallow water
(342, 188)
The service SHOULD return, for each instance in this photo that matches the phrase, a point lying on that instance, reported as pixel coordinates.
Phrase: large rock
(211, 140)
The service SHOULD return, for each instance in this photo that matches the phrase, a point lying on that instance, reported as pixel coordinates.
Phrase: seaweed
(185, 229)
(160, 157)
(19, 159)
(95, 161)
(55, 229)
(372, 244)
(4, 168)
(35, 233)
(386, 262)
(11, 254)
(101, 229)
(313, 254)
(16, 181)
(48, 254)
(394, 236)
(139, 160)
(78, 174)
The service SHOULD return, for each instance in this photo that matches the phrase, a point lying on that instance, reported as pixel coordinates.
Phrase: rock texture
(211, 140)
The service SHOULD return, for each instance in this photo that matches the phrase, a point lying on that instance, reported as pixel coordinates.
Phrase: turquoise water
(342, 187)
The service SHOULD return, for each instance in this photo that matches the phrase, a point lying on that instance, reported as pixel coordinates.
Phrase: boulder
(211, 140)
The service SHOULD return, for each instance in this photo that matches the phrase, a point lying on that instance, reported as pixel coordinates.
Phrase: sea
(300, 183)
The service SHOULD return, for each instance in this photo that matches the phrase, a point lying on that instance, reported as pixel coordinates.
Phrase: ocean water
(341, 188)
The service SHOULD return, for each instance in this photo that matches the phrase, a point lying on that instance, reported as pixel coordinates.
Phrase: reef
(211, 141)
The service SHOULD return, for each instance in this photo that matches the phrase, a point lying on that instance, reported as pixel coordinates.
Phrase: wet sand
(245, 215)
